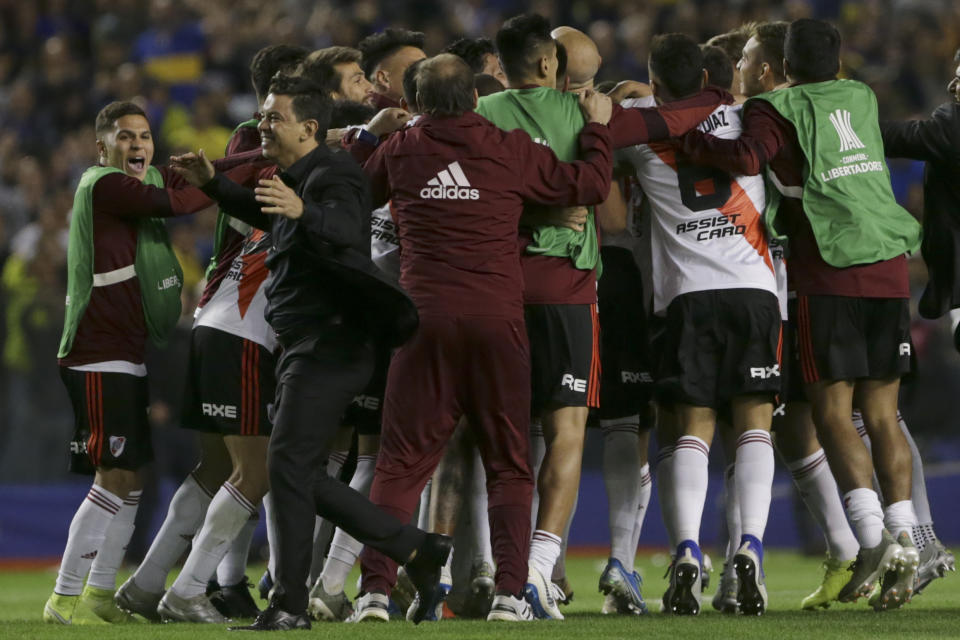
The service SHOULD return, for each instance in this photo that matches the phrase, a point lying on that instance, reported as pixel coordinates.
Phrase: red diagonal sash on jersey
(252, 275)
(738, 204)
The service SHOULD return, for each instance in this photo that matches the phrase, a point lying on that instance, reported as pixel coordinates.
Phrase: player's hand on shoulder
(195, 168)
(596, 107)
(629, 89)
(388, 121)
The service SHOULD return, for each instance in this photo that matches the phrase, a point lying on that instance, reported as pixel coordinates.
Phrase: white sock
(423, 515)
(646, 488)
(88, 529)
(918, 488)
(335, 462)
(233, 568)
(866, 516)
(731, 510)
(538, 450)
(184, 517)
(899, 517)
(754, 481)
(344, 550)
(271, 517)
(544, 551)
(103, 572)
(666, 494)
(690, 478)
(819, 491)
(228, 513)
(479, 518)
(446, 571)
(621, 477)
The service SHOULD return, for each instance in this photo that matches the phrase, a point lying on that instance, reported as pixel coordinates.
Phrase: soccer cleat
(265, 585)
(869, 566)
(235, 601)
(403, 592)
(706, 569)
(751, 589)
(935, 561)
(274, 618)
(616, 581)
(371, 607)
(562, 591)
(132, 598)
(436, 613)
(725, 599)
(836, 573)
(198, 608)
(333, 607)
(896, 586)
(510, 609)
(477, 603)
(424, 572)
(683, 598)
(540, 593)
(99, 603)
(59, 609)
(667, 575)
(609, 605)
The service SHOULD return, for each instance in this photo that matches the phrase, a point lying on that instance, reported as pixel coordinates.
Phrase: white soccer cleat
(371, 607)
(510, 609)
(541, 594)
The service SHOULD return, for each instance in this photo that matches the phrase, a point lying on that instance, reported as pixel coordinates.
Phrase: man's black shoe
(274, 618)
(235, 601)
(424, 572)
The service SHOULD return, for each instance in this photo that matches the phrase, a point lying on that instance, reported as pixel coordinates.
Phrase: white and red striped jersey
(385, 242)
(707, 229)
(237, 307)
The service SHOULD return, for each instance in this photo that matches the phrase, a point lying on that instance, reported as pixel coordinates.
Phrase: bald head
(583, 58)
(445, 86)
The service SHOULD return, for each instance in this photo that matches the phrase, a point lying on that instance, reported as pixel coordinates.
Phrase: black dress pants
(318, 375)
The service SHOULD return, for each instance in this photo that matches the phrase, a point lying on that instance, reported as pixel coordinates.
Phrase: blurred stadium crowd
(186, 61)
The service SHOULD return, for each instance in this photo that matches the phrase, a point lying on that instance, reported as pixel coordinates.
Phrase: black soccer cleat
(235, 601)
(424, 572)
(274, 618)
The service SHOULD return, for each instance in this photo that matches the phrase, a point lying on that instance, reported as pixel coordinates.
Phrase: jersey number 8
(690, 176)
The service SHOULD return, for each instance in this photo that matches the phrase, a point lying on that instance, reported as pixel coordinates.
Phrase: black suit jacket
(936, 141)
(320, 263)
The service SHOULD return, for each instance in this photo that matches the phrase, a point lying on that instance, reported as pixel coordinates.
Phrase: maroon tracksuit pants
(477, 367)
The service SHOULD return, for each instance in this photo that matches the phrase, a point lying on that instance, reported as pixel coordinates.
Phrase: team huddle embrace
(432, 274)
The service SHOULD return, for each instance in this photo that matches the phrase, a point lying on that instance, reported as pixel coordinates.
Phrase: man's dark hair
(375, 48)
(473, 51)
(487, 85)
(113, 112)
(678, 63)
(733, 41)
(269, 61)
(812, 49)
(772, 36)
(336, 55)
(344, 113)
(409, 83)
(445, 86)
(310, 101)
(521, 42)
(719, 69)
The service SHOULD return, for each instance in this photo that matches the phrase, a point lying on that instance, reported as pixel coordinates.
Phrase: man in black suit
(329, 305)
(937, 141)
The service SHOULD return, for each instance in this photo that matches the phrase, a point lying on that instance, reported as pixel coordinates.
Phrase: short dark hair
(113, 112)
(375, 48)
(344, 113)
(409, 83)
(733, 41)
(520, 41)
(335, 55)
(719, 69)
(487, 85)
(812, 49)
(473, 51)
(310, 100)
(445, 86)
(272, 60)
(772, 36)
(678, 63)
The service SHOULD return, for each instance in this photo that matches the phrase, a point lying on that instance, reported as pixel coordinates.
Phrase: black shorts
(844, 338)
(111, 429)
(792, 383)
(365, 413)
(720, 344)
(564, 356)
(230, 384)
(626, 381)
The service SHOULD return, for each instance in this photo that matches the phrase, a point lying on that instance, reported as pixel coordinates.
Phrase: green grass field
(935, 614)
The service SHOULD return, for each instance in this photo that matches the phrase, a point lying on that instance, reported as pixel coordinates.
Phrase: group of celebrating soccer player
(432, 273)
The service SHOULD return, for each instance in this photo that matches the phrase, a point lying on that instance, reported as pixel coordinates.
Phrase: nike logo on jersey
(450, 184)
